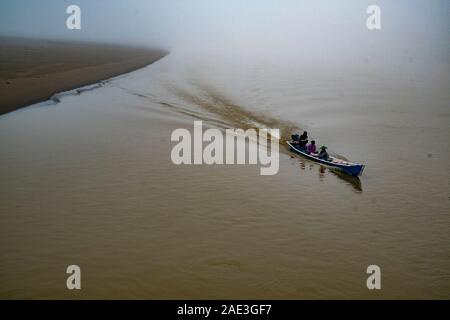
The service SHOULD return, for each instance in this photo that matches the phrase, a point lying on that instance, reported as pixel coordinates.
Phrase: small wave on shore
(56, 98)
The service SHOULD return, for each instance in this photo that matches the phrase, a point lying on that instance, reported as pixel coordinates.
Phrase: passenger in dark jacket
(303, 140)
(323, 154)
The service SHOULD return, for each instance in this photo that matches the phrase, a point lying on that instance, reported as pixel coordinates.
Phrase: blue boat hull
(347, 167)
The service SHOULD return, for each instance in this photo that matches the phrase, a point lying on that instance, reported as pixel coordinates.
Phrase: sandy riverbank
(33, 70)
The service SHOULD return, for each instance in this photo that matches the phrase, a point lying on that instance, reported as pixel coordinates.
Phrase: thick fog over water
(414, 34)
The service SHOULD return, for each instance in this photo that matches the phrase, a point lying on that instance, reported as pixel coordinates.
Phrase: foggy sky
(415, 31)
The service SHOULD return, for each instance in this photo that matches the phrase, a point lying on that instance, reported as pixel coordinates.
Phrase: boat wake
(217, 109)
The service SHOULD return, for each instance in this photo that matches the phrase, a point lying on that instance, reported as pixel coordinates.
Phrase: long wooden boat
(347, 167)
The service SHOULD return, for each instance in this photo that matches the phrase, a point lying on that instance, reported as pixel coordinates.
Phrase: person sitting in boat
(311, 147)
(303, 140)
(323, 154)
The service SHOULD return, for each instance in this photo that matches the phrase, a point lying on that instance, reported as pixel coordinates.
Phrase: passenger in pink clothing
(311, 147)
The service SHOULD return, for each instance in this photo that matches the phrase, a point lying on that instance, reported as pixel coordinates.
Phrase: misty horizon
(414, 34)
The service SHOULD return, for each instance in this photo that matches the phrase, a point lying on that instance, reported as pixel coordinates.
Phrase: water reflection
(321, 172)
(354, 182)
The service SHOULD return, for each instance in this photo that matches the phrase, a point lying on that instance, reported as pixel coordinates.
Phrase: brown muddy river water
(89, 181)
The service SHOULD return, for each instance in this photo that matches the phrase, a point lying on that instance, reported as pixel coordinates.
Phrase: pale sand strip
(32, 71)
